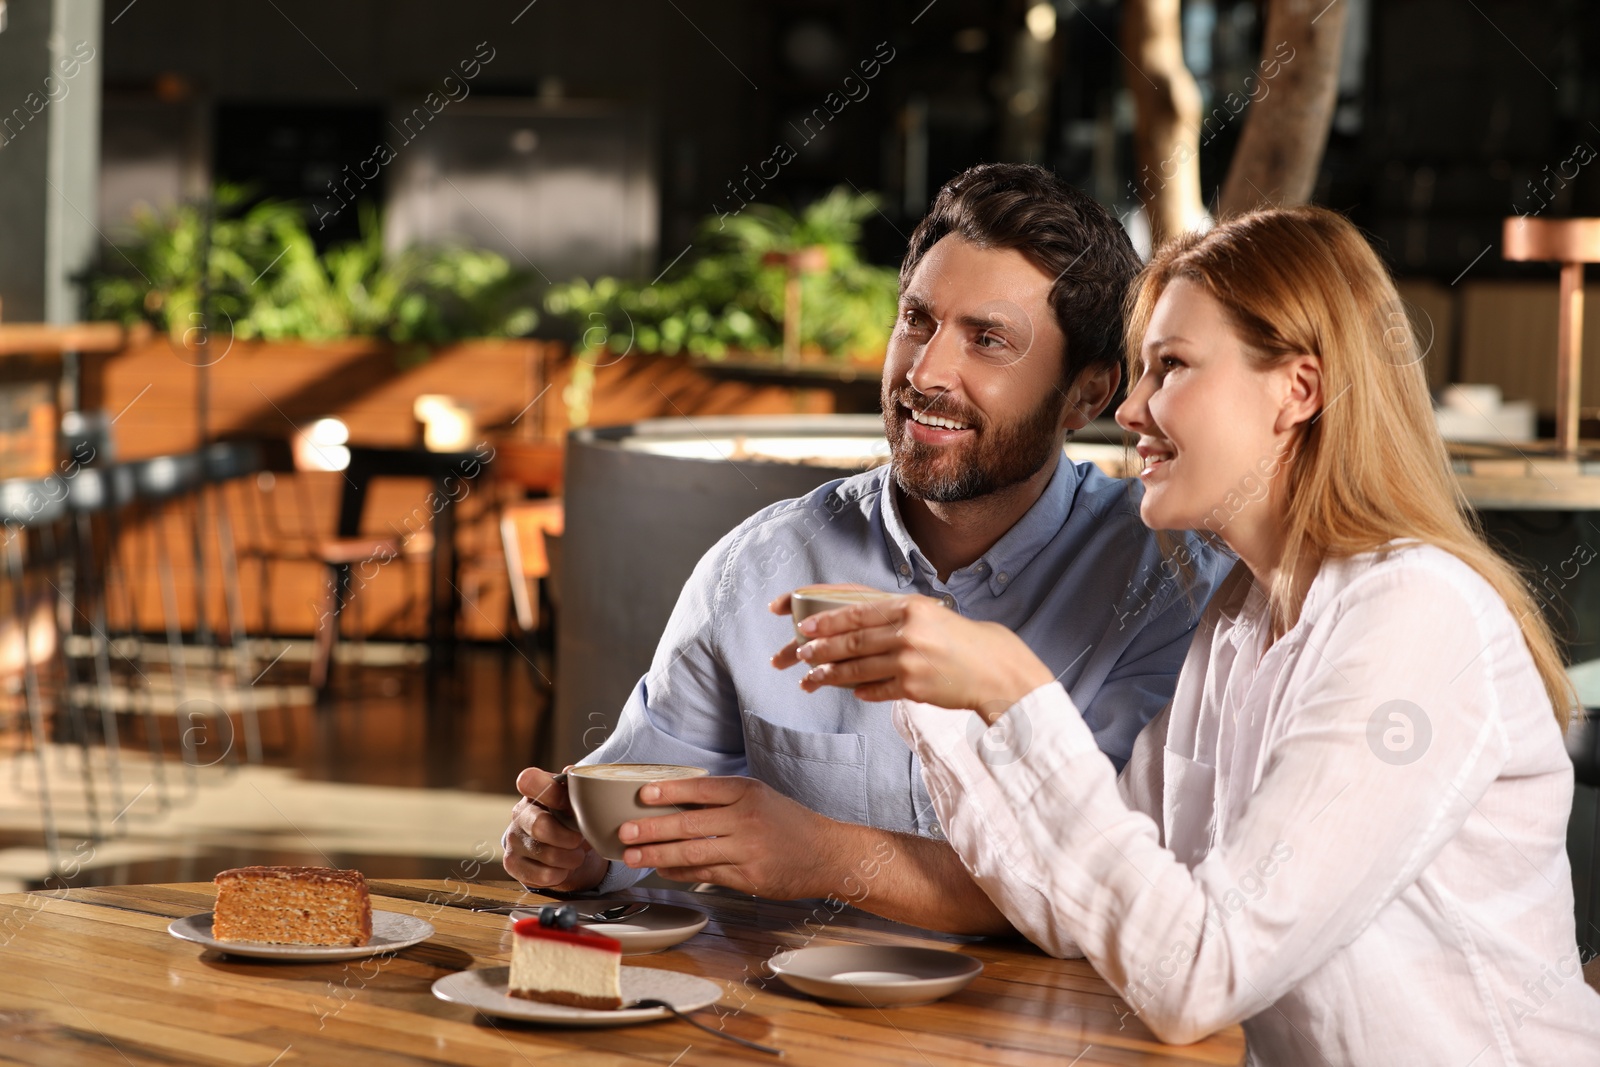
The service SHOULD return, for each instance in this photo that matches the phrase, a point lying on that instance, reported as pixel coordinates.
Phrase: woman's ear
(1090, 394)
(1302, 398)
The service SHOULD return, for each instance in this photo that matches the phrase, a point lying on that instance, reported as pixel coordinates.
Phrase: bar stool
(225, 463)
(100, 493)
(30, 508)
(162, 482)
(1571, 243)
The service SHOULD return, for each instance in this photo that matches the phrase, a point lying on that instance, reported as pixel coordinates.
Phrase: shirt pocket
(825, 772)
(1188, 801)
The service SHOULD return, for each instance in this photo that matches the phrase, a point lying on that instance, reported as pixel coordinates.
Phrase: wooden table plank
(91, 976)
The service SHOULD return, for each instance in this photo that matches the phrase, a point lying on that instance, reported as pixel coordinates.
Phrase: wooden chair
(530, 466)
(528, 527)
(523, 529)
(276, 542)
(1571, 243)
(338, 556)
(530, 533)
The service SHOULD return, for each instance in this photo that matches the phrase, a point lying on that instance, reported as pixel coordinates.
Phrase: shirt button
(905, 570)
(948, 601)
(1002, 577)
(983, 568)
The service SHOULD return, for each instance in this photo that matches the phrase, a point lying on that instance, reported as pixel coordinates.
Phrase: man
(1008, 338)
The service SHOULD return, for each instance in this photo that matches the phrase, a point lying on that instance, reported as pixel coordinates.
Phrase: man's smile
(936, 421)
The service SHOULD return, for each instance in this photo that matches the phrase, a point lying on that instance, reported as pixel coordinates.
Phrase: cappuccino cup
(815, 599)
(606, 795)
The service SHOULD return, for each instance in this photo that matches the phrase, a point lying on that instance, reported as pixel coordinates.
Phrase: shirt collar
(1008, 556)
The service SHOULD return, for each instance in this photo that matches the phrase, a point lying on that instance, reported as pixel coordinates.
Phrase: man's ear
(1302, 398)
(1089, 394)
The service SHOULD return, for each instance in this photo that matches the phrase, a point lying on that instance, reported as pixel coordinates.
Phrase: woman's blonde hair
(1371, 467)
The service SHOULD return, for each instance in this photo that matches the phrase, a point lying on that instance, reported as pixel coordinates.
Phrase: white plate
(391, 932)
(874, 976)
(485, 990)
(657, 927)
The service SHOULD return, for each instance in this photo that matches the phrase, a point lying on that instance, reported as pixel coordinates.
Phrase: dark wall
(1458, 107)
(1471, 113)
(24, 144)
(681, 62)
(723, 82)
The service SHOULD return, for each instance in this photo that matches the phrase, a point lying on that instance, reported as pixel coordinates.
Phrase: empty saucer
(874, 976)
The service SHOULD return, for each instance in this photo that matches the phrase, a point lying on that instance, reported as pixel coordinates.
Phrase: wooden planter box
(639, 386)
(264, 390)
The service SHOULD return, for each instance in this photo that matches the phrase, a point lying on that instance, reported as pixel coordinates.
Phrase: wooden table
(90, 976)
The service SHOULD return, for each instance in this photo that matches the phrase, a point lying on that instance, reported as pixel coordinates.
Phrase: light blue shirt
(1080, 578)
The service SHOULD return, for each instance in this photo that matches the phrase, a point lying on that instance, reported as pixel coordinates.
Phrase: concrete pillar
(49, 154)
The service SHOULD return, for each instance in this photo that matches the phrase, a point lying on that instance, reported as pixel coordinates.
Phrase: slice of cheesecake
(572, 967)
(292, 906)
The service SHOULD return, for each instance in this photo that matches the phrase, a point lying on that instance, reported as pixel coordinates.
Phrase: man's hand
(745, 835)
(540, 852)
(913, 648)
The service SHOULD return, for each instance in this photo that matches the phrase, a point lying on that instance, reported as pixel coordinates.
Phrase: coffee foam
(638, 772)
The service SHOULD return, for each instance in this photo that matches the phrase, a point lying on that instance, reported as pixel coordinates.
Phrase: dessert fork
(652, 1003)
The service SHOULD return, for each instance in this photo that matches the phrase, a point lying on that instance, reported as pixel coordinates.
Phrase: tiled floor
(384, 779)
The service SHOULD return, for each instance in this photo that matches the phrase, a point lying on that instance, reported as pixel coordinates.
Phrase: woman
(1348, 829)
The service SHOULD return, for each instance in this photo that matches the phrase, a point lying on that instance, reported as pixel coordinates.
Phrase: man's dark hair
(1062, 231)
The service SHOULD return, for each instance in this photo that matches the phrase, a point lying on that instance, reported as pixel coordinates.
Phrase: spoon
(735, 1038)
(615, 914)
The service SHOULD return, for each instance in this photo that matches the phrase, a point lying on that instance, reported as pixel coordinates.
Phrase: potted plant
(293, 333)
(266, 280)
(768, 287)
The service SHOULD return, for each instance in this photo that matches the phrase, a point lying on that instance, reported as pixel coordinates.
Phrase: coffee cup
(606, 795)
(815, 599)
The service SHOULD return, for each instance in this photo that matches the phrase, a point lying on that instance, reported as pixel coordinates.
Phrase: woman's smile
(1156, 456)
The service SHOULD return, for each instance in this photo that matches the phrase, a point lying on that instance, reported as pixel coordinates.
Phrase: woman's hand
(914, 648)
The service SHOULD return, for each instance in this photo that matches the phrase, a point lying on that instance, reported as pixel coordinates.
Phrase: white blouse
(1353, 842)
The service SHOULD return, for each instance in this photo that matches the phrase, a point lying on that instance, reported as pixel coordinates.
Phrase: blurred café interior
(372, 375)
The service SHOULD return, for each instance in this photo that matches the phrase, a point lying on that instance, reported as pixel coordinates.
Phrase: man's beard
(998, 457)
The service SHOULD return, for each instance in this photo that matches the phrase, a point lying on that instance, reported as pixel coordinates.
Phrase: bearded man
(1009, 337)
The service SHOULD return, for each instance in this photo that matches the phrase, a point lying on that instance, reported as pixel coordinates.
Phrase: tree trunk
(1166, 134)
(1286, 131)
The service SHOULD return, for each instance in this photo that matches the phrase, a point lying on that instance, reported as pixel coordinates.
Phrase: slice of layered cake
(555, 962)
(292, 906)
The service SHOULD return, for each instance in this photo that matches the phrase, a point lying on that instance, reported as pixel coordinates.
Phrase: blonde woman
(1348, 829)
